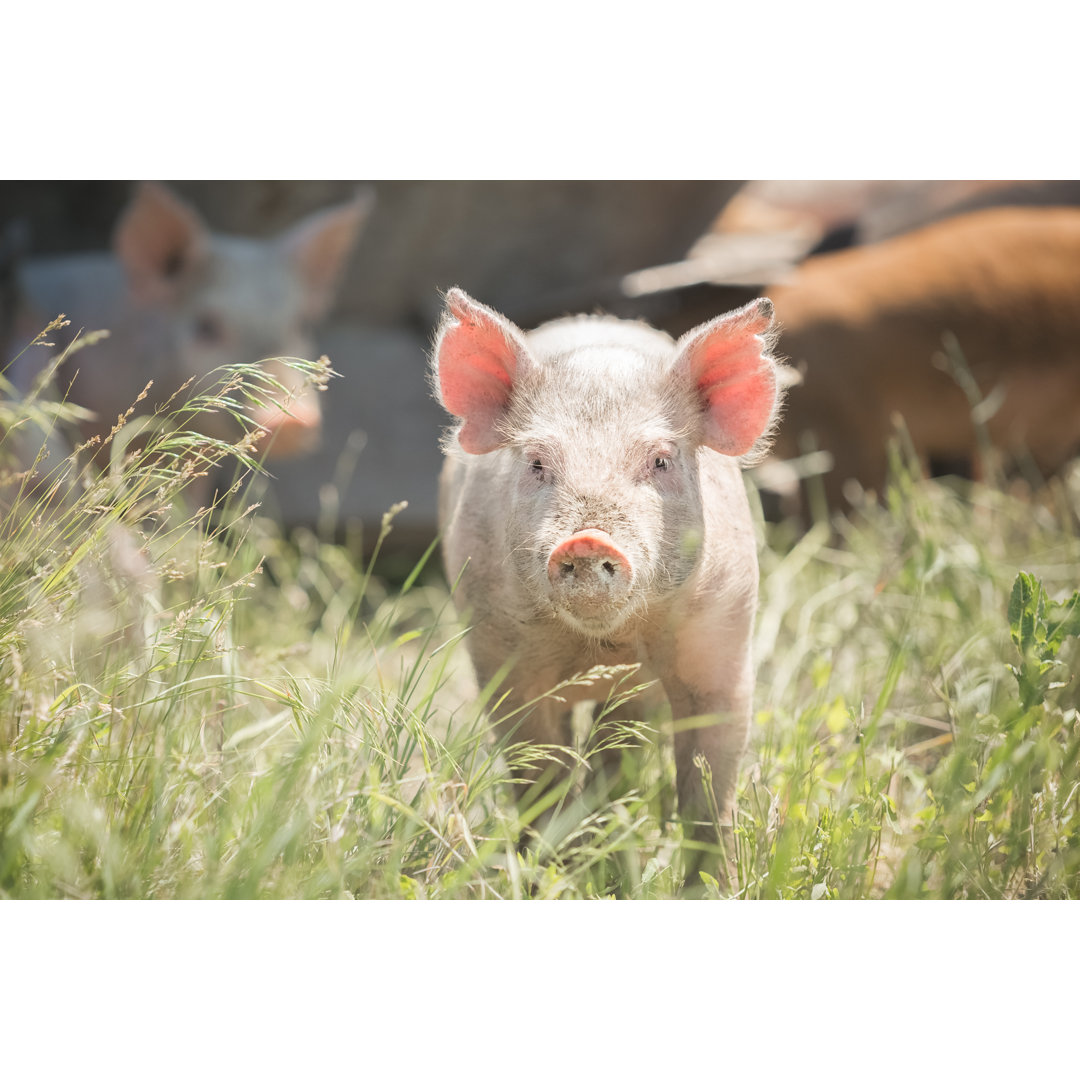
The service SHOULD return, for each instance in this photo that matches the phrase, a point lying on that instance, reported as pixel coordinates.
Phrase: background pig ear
(728, 360)
(477, 355)
(319, 248)
(158, 238)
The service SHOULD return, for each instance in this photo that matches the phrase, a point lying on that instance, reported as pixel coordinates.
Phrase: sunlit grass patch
(194, 704)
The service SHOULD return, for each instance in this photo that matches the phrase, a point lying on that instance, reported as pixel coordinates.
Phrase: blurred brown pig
(868, 328)
(180, 301)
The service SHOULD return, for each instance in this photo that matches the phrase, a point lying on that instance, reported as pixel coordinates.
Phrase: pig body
(179, 301)
(593, 505)
(866, 324)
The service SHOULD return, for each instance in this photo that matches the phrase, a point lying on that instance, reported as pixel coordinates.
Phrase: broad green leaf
(1025, 610)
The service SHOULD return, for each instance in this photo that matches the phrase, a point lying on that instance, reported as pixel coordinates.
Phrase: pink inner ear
(739, 411)
(476, 370)
(157, 239)
(736, 380)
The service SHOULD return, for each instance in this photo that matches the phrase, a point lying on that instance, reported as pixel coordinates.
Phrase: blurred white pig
(180, 301)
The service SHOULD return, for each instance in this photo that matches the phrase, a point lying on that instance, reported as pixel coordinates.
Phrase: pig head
(180, 301)
(593, 507)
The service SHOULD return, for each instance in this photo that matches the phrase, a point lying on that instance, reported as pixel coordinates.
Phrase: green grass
(231, 712)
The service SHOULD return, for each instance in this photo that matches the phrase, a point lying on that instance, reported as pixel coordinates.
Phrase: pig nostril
(588, 563)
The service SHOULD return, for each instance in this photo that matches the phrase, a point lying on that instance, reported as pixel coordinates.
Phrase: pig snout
(292, 429)
(590, 577)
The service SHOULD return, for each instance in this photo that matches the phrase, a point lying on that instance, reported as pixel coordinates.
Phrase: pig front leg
(517, 716)
(707, 675)
(718, 733)
(545, 723)
(524, 715)
(714, 725)
(607, 763)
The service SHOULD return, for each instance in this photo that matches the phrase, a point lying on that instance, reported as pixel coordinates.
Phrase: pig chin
(594, 621)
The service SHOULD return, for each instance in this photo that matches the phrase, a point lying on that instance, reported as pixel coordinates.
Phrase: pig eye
(209, 329)
(536, 467)
(660, 463)
(172, 264)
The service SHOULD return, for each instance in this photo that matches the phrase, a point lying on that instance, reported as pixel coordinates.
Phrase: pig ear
(157, 239)
(319, 247)
(477, 355)
(728, 361)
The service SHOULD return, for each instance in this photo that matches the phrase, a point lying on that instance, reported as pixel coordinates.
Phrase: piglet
(593, 505)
